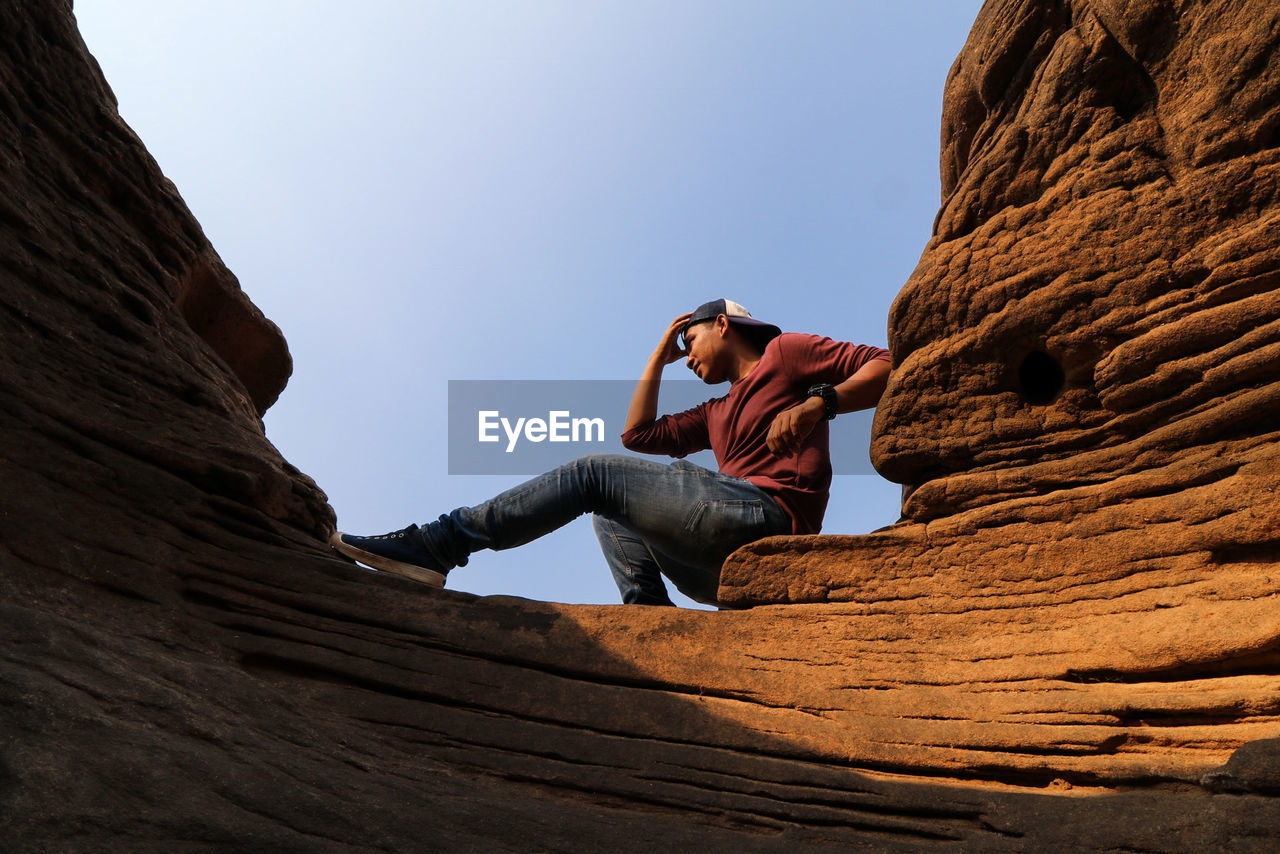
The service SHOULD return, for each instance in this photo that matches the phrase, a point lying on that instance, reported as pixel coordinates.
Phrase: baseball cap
(759, 331)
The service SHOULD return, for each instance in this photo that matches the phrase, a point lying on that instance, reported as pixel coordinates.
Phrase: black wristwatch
(827, 392)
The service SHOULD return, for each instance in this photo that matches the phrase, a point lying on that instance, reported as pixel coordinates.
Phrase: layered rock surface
(1072, 639)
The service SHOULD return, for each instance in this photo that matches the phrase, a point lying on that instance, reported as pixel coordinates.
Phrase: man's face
(706, 348)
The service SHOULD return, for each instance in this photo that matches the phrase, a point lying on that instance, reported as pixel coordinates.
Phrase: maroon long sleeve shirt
(736, 425)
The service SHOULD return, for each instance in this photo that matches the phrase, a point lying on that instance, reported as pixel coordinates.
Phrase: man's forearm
(644, 400)
(863, 389)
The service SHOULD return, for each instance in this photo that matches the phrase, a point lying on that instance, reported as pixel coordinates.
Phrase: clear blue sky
(422, 191)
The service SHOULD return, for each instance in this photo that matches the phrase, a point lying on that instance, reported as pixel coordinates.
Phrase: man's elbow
(631, 439)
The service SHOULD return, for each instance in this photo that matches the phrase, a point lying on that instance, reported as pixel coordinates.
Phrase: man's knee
(599, 469)
(598, 461)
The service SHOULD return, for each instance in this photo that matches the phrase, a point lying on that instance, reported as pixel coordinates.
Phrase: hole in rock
(1040, 378)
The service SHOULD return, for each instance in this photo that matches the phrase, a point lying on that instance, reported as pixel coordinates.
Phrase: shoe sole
(385, 564)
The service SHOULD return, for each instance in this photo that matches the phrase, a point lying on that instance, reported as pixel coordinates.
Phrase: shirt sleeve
(677, 435)
(817, 359)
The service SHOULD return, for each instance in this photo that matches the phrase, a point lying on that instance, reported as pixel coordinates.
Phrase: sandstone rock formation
(1071, 641)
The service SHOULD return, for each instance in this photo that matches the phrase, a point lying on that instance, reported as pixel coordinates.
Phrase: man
(680, 520)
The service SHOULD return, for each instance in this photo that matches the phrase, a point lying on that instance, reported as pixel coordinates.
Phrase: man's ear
(722, 325)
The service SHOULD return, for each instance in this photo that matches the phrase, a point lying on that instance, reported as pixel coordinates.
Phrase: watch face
(828, 394)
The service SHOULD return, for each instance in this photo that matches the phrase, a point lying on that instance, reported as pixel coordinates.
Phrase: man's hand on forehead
(672, 346)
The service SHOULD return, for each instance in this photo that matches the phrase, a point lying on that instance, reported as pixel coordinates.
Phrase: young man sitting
(677, 520)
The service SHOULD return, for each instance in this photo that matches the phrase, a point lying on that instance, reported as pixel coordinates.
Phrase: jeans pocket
(727, 522)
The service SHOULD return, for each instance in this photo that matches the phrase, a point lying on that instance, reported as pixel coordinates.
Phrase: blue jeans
(652, 519)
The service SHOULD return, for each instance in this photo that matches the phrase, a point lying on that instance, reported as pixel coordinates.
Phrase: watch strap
(827, 392)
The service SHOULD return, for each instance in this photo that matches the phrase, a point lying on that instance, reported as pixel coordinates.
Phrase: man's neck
(743, 365)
